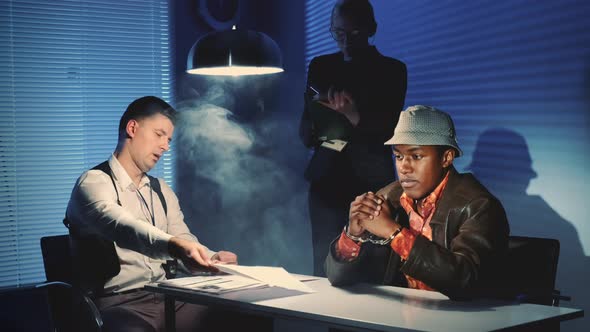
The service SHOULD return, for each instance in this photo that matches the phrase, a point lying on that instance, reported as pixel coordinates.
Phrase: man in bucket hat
(433, 229)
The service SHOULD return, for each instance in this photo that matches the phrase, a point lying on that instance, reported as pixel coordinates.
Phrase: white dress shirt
(141, 246)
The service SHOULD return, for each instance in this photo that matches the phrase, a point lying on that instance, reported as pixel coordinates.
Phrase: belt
(129, 291)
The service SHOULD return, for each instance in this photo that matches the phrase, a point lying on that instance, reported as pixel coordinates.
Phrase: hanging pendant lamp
(234, 53)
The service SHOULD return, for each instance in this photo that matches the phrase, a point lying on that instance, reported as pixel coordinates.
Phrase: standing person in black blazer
(367, 91)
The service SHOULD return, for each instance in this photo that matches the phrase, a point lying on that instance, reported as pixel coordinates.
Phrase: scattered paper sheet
(272, 276)
(240, 277)
(303, 277)
(214, 284)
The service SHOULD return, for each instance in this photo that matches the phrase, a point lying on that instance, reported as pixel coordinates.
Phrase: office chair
(71, 292)
(531, 270)
(71, 308)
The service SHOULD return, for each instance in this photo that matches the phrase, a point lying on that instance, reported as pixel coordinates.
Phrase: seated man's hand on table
(193, 255)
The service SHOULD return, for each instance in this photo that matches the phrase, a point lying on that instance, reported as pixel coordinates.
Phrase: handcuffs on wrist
(372, 238)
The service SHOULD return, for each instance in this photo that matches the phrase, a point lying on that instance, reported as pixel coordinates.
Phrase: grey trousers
(144, 311)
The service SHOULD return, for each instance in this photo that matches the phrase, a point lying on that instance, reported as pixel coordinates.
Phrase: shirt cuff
(346, 248)
(403, 242)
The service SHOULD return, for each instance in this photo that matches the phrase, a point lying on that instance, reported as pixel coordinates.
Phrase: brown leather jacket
(469, 237)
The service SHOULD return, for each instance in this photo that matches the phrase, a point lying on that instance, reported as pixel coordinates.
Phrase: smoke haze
(238, 187)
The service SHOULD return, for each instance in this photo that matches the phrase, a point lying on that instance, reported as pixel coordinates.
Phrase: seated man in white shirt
(145, 223)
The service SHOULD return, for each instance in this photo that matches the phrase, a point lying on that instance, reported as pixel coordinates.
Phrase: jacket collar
(365, 55)
(448, 198)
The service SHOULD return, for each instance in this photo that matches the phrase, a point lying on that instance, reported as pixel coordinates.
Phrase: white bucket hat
(425, 125)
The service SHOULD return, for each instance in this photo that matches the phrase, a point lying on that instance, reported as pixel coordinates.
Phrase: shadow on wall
(586, 98)
(236, 184)
(502, 162)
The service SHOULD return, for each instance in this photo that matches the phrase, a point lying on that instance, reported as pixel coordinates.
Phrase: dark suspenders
(95, 258)
(154, 183)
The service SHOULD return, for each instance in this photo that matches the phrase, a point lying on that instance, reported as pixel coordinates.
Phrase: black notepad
(329, 124)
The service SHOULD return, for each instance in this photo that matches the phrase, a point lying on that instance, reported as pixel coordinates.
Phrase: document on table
(214, 284)
(272, 276)
(240, 278)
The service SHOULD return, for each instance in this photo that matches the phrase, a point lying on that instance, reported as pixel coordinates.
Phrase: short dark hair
(145, 107)
(359, 10)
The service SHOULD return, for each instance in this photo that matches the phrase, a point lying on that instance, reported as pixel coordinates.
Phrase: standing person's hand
(341, 101)
(193, 255)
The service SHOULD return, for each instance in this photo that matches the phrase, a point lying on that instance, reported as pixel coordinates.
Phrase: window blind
(318, 40)
(68, 70)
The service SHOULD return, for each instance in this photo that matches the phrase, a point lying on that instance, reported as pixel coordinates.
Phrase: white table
(374, 308)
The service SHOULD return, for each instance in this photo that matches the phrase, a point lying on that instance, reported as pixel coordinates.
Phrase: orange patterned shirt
(347, 249)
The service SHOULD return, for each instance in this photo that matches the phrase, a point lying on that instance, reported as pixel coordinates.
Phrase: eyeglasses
(340, 34)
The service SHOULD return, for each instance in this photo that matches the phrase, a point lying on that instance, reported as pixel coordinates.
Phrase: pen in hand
(317, 95)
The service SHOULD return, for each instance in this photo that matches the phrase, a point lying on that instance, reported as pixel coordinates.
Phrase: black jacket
(469, 237)
(378, 85)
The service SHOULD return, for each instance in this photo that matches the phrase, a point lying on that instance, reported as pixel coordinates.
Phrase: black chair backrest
(532, 268)
(94, 260)
(71, 309)
(57, 259)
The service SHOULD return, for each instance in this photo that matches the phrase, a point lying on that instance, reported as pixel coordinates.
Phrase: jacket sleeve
(368, 267)
(373, 260)
(460, 270)
(342, 273)
(306, 133)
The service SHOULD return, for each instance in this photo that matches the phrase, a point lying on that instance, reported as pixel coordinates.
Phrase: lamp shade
(234, 53)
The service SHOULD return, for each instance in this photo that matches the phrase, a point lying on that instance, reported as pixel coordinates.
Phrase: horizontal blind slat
(69, 69)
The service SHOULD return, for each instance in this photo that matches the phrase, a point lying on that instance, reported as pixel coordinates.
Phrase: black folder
(329, 124)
